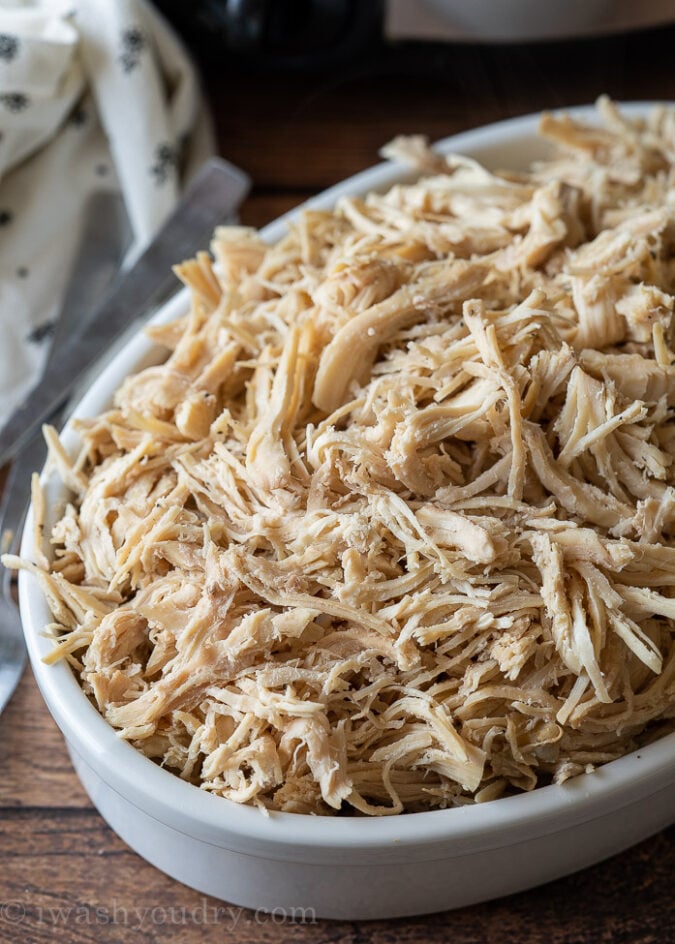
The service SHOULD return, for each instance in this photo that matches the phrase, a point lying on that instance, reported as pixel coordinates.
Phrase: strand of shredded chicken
(392, 528)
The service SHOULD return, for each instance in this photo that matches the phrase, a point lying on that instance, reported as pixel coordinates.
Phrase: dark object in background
(295, 34)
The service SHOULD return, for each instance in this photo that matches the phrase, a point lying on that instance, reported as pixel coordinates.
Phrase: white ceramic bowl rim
(170, 800)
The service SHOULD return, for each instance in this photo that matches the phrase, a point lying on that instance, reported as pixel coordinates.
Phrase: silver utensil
(105, 237)
(214, 193)
(12, 647)
(12, 514)
(83, 332)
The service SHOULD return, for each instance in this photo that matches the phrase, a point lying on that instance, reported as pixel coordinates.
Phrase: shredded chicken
(393, 526)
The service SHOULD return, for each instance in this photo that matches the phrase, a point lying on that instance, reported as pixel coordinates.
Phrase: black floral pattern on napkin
(42, 332)
(166, 161)
(14, 101)
(9, 47)
(133, 44)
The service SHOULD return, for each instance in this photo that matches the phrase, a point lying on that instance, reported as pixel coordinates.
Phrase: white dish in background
(519, 21)
(346, 867)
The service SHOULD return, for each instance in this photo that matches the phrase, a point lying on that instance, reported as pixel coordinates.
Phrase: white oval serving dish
(345, 867)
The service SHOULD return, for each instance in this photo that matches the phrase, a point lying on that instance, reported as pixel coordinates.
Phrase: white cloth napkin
(94, 95)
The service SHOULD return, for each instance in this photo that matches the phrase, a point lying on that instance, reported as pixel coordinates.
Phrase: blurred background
(304, 93)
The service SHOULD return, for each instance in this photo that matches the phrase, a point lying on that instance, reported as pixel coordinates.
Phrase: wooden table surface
(64, 876)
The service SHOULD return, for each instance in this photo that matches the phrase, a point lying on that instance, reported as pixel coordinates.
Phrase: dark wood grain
(36, 770)
(66, 873)
(64, 876)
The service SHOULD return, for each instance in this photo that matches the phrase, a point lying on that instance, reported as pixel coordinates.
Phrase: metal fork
(12, 515)
(105, 237)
